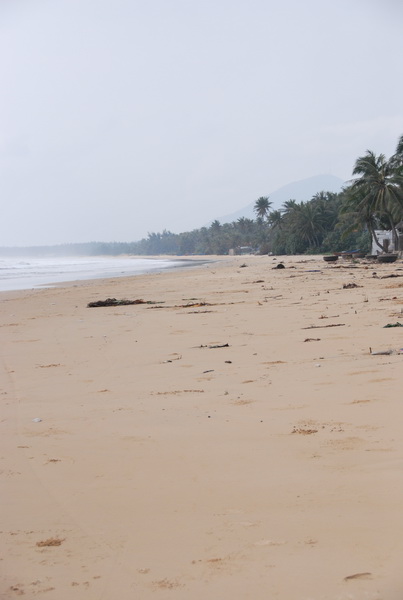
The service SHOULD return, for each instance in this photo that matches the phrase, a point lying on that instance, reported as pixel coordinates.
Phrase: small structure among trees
(386, 239)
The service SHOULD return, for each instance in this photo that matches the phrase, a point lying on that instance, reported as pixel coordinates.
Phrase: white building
(385, 238)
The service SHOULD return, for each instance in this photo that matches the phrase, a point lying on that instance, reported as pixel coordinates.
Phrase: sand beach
(236, 436)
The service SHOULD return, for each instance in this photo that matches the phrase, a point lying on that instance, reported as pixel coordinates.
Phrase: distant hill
(298, 190)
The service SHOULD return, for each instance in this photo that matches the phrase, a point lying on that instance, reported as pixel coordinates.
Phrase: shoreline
(210, 444)
(47, 280)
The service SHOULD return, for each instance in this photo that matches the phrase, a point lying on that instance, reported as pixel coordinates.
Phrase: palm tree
(275, 219)
(308, 223)
(356, 214)
(288, 212)
(288, 206)
(245, 225)
(399, 147)
(262, 206)
(327, 204)
(215, 226)
(379, 187)
(397, 159)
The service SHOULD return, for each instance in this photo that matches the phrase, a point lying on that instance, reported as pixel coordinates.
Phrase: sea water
(27, 273)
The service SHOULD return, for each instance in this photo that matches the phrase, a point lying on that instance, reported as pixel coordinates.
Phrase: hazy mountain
(298, 190)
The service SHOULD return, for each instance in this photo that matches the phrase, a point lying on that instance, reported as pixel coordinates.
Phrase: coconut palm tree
(215, 226)
(356, 215)
(288, 206)
(262, 206)
(397, 159)
(399, 147)
(379, 187)
(308, 223)
(275, 219)
(327, 204)
(245, 225)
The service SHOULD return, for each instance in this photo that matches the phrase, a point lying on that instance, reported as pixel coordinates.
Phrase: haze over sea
(26, 273)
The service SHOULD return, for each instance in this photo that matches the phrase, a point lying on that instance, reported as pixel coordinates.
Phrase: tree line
(327, 222)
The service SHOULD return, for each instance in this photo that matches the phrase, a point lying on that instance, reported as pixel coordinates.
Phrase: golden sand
(238, 437)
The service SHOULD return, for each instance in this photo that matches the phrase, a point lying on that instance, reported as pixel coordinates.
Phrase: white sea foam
(27, 273)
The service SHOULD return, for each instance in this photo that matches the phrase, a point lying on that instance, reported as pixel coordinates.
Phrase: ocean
(28, 273)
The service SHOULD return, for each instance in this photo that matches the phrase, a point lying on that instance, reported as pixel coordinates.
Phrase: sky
(123, 117)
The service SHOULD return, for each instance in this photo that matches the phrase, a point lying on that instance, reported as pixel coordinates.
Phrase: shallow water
(27, 273)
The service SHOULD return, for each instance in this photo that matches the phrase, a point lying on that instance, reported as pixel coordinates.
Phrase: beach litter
(188, 305)
(123, 302)
(325, 326)
(386, 352)
(350, 286)
(50, 542)
(303, 431)
(193, 305)
(214, 346)
(179, 357)
(358, 576)
(393, 325)
(37, 420)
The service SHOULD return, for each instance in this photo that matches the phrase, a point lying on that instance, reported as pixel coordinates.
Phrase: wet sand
(234, 438)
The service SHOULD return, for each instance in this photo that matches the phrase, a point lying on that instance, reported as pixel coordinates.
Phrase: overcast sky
(120, 117)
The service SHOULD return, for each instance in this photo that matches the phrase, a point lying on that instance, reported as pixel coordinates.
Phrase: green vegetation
(328, 222)
(375, 199)
(262, 207)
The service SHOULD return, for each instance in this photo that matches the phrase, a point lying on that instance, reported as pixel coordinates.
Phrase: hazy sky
(120, 117)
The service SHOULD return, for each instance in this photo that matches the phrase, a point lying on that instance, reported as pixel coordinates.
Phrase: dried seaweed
(123, 302)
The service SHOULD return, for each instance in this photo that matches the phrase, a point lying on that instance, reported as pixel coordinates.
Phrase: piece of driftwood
(179, 357)
(123, 302)
(193, 305)
(366, 575)
(189, 305)
(214, 346)
(324, 326)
